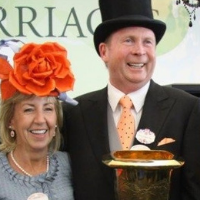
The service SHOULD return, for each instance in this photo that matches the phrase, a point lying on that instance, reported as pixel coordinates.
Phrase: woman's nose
(39, 117)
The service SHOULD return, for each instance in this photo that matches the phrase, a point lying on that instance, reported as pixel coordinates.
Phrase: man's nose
(138, 49)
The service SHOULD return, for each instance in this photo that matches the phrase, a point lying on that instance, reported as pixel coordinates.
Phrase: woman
(31, 167)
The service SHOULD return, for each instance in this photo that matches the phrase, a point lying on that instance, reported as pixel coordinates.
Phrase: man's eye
(148, 41)
(128, 40)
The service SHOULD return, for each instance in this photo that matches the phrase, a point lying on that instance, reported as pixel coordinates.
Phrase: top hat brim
(106, 28)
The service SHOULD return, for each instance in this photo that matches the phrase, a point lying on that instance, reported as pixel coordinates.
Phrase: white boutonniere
(145, 136)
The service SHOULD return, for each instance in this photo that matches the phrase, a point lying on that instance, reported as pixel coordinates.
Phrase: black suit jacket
(168, 112)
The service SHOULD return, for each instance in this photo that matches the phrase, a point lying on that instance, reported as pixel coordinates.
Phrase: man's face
(129, 54)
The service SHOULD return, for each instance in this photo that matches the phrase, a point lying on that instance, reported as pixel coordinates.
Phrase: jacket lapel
(156, 108)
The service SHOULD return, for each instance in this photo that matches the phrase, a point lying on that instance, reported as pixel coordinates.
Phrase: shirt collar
(137, 97)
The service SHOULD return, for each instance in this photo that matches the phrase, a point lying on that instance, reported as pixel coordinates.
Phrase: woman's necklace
(25, 172)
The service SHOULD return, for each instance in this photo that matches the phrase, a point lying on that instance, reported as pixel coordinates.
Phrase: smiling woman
(30, 120)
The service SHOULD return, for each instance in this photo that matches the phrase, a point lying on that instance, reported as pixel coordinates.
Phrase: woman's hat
(117, 14)
(38, 69)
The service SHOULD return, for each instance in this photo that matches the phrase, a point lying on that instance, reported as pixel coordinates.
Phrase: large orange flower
(39, 69)
(7, 89)
(42, 69)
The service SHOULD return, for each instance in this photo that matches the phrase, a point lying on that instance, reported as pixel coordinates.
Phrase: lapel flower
(145, 136)
(39, 69)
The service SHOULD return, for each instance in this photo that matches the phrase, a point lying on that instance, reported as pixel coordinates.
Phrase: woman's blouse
(56, 183)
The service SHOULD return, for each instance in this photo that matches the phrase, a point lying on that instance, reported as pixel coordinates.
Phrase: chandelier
(190, 6)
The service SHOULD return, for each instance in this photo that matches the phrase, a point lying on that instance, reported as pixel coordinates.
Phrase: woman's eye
(49, 109)
(28, 110)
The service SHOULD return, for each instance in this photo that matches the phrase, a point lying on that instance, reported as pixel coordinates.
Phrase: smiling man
(164, 118)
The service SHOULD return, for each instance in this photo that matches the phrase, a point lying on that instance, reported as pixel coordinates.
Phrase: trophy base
(140, 184)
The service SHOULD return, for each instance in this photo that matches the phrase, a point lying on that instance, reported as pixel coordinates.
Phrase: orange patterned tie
(126, 125)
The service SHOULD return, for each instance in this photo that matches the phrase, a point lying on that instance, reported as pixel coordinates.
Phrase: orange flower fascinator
(39, 69)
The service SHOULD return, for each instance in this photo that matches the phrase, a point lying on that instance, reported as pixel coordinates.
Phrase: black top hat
(117, 14)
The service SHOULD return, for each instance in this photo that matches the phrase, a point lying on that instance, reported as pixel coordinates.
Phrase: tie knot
(125, 101)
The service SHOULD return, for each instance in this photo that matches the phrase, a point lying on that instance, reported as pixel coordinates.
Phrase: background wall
(72, 22)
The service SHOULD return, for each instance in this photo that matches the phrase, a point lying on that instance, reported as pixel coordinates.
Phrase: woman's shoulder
(3, 157)
(62, 154)
(2, 154)
(62, 157)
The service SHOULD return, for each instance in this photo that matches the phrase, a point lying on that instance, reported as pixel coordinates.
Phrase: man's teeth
(139, 65)
(38, 131)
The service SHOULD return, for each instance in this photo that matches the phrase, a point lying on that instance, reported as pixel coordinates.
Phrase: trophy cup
(142, 174)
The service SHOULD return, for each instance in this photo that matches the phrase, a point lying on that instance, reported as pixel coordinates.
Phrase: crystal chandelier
(190, 6)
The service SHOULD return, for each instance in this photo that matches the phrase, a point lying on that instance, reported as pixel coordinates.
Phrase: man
(126, 41)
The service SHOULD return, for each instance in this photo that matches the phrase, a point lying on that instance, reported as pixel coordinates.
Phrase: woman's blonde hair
(8, 143)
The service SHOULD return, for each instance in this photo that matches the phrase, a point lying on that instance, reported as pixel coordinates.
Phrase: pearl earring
(12, 132)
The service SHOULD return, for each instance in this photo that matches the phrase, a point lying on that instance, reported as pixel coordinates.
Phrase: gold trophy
(142, 174)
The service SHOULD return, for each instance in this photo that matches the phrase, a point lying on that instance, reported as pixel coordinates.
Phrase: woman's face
(34, 122)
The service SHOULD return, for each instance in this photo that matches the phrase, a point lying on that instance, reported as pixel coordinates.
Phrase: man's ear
(103, 51)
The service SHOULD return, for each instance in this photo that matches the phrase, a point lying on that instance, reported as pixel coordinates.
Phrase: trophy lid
(146, 159)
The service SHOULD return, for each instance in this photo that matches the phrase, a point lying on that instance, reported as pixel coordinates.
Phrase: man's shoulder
(93, 94)
(171, 92)
(178, 93)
